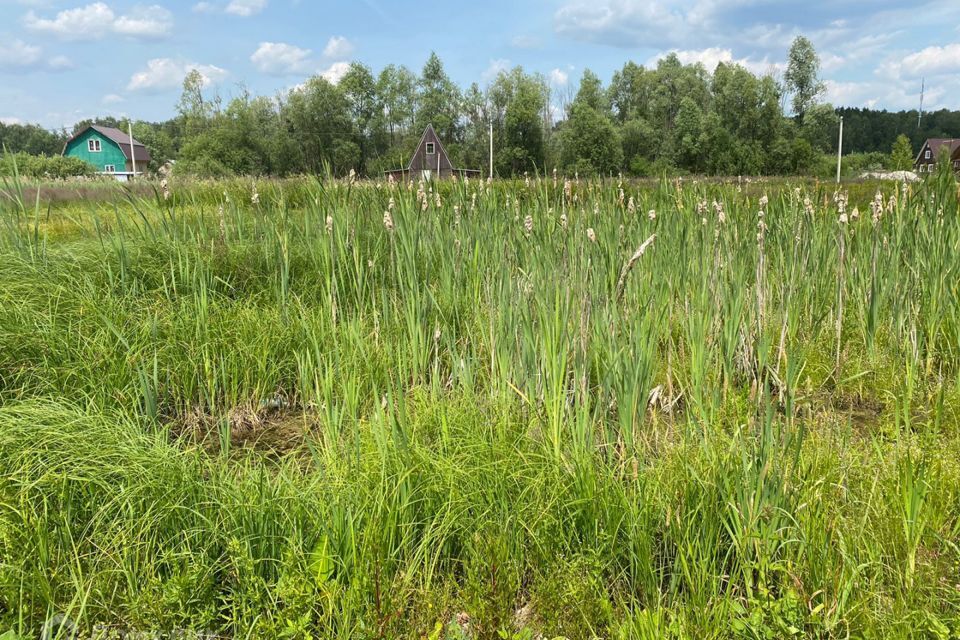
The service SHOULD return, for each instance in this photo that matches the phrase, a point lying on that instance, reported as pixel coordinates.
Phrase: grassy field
(528, 409)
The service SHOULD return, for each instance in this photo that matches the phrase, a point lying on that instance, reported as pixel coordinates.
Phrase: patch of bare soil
(269, 431)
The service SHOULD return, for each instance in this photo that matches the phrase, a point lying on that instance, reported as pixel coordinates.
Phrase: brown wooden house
(931, 150)
(430, 160)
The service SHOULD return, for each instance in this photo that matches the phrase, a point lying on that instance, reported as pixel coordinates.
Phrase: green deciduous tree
(803, 75)
(590, 142)
(518, 102)
(439, 101)
(901, 157)
(319, 117)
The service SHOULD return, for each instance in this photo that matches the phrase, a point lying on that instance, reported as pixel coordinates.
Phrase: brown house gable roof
(935, 145)
(123, 141)
(438, 162)
(419, 159)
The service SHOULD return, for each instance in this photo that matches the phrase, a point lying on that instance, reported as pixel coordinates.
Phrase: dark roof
(935, 144)
(443, 159)
(429, 135)
(123, 141)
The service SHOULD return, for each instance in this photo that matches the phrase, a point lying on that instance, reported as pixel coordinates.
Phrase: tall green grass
(461, 409)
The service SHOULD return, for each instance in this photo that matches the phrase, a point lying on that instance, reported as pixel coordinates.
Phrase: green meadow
(540, 408)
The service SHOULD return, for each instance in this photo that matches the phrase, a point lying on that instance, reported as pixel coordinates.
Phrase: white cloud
(559, 77)
(930, 62)
(337, 48)
(10, 120)
(18, 55)
(60, 63)
(760, 28)
(860, 94)
(98, 20)
(897, 80)
(162, 74)
(112, 98)
(495, 68)
(145, 22)
(709, 57)
(280, 58)
(713, 56)
(623, 22)
(245, 8)
(830, 61)
(335, 72)
(242, 8)
(75, 24)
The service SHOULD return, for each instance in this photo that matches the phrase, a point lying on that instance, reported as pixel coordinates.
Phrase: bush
(54, 167)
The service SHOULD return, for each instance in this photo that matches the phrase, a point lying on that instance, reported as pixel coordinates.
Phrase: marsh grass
(296, 416)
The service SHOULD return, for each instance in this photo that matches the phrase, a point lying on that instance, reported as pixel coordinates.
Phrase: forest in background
(673, 118)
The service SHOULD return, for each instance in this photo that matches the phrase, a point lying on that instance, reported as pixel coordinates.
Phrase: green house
(109, 150)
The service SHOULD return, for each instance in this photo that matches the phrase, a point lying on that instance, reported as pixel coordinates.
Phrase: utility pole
(133, 155)
(839, 149)
(491, 149)
(923, 86)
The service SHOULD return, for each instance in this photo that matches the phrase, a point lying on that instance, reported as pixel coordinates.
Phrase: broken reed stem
(840, 283)
(622, 282)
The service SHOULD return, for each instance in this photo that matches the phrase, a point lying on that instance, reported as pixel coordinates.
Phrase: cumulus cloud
(97, 20)
(931, 62)
(713, 56)
(60, 63)
(162, 74)
(145, 22)
(242, 8)
(280, 58)
(18, 55)
(495, 68)
(245, 8)
(897, 81)
(335, 72)
(337, 47)
(112, 98)
(860, 94)
(559, 77)
(10, 120)
(627, 23)
(758, 27)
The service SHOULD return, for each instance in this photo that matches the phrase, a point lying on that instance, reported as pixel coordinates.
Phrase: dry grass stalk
(622, 282)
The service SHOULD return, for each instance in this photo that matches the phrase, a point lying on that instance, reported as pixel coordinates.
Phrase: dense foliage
(43, 167)
(670, 118)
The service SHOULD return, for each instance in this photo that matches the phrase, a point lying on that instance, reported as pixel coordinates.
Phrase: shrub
(55, 167)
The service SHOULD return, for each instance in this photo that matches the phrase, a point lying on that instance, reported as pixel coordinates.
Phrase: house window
(431, 149)
(109, 168)
(93, 145)
(927, 154)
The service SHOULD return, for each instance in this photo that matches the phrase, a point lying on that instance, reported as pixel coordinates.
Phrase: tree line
(666, 118)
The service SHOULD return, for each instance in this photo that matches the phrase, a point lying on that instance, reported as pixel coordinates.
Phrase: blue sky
(64, 60)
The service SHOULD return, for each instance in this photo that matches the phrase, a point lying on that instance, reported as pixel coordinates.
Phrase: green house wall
(109, 153)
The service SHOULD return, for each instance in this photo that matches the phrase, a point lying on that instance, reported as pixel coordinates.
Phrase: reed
(319, 408)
